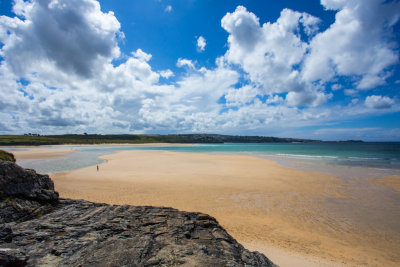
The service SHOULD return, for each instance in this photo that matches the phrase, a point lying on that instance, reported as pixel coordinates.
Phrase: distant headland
(83, 139)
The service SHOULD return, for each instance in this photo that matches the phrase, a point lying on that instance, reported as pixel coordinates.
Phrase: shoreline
(42, 153)
(129, 145)
(314, 164)
(259, 202)
(18, 147)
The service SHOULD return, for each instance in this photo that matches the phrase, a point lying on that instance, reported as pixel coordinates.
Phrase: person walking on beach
(97, 167)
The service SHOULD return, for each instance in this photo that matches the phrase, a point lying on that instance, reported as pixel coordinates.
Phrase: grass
(18, 140)
(4, 155)
(21, 140)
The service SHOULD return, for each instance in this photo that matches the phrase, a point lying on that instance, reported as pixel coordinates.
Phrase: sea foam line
(306, 156)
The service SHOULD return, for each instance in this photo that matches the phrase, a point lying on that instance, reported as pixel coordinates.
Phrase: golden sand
(294, 217)
(40, 153)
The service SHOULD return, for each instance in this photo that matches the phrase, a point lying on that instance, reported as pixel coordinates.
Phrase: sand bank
(127, 145)
(292, 216)
(39, 153)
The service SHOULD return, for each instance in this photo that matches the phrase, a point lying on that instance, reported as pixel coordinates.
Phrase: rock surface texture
(37, 229)
(24, 194)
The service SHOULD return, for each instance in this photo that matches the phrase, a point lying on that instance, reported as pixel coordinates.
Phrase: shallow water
(346, 160)
(74, 160)
(339, 159)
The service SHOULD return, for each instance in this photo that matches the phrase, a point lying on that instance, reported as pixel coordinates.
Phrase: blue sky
(146, 24)
(324, 69)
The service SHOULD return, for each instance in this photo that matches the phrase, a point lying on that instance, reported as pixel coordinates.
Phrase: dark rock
(24, 194)
(81, 233)
(25, 184)
(18, 210)
(12, 258)
(5, 233)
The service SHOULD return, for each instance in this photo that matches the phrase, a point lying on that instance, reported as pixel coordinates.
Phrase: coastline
(37, 157)
(125, 145)
(42, 153)
(294, 217)
(259, 202)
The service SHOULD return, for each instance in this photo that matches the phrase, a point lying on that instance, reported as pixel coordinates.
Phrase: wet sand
(294, 217)
(128, 145)
(39, 153)
(58, 151)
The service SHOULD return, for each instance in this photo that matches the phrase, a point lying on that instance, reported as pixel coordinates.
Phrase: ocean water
(83, 157)
(351, 159)
(339, 159)
(378, 155)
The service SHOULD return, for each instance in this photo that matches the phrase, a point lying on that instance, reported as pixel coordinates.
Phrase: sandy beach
(42, 153)
(294, 217)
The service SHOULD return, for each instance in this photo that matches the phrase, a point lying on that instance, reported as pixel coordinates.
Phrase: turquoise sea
(346, 159)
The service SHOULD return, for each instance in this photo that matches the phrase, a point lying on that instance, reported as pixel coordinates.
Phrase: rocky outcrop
(24, 194)
(25, 183)
(82, 233)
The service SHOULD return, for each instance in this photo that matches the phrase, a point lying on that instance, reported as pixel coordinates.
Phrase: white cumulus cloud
(73, 36)
(58, 72)
(166, 73)
(182, 62)
(272, 53)
(139, 54)
(277, 59)
(357, 44)
(201, 43)
(380, 102)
